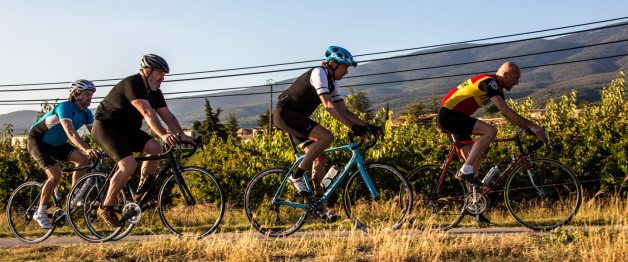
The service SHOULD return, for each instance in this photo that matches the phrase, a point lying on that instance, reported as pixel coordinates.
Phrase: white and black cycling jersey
(303, 95)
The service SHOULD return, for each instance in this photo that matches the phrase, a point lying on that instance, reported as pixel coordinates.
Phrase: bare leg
(54, 176)
(487, 134)
(151, 148)
(78, 159)
(322, 140)
(119, 179)
(318, 173)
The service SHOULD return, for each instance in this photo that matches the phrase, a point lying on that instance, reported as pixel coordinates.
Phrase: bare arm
(75, 138)
(517, 119)
(340, 111)
(172, 123)
(149, 114)
(152, 119)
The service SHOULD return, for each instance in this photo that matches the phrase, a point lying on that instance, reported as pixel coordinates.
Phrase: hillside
(21, 120)
(537, 82)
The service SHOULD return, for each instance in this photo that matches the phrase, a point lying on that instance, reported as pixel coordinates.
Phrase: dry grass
(606, 239)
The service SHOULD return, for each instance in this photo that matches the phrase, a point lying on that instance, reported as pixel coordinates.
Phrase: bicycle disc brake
(132, 213)
(475, 204)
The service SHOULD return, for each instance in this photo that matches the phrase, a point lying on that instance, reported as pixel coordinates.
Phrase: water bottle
(490, 175)
(329, 177)
(80, 193)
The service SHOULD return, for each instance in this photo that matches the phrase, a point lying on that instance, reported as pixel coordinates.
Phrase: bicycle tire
(84, 220)
(192, 220)
(263, 214)
(23, 203)
(390, 210)
(560, 202)
(447, 207)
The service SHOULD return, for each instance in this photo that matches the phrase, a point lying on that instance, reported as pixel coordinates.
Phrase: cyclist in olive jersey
(317, 86)
(461, 102)
(117, 128)
(47, 141)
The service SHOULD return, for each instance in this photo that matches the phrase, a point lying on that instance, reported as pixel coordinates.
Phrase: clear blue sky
(61, 41)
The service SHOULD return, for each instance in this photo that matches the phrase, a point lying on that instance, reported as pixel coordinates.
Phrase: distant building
(19, 140)
(246, 133)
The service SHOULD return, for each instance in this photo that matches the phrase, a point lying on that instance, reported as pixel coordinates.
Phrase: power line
(368, 54)
(10, 102)
(381, 73)
(373, 74)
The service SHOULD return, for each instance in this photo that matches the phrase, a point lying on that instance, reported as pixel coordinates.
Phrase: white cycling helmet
(82, 84)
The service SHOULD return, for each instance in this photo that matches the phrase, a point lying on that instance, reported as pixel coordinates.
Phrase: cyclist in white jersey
(317, 86)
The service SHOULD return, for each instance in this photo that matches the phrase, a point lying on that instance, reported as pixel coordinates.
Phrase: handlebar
(198, 142)
(537, 145)
(92, 165)
(352, 135)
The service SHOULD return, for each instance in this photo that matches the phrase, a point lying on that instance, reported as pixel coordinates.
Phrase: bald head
(508, 75)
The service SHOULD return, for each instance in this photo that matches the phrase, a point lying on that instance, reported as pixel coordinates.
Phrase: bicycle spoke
(547, 198)
(392, 207)
(22, 204)
(84, 219)
(202, 214)
(274, 220)
(440, 210)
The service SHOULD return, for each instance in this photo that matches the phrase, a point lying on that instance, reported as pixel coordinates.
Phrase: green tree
(434, 103)
(231, 126)
(263, 120)
(415, 111)
(45, 108)
(211, 125)
(359, 104)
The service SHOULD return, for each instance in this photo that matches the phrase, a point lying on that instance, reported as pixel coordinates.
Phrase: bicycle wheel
(443, 209)
(544, 197)
(23, 203)
(386, 212)
(84, 219)
(275, 220)
(199, 217)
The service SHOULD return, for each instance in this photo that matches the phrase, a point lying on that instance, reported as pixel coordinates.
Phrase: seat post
(294, 146)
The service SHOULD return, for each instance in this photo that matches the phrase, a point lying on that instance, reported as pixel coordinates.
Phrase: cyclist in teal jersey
(47, 141)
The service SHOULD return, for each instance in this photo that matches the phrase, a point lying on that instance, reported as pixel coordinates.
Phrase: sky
(61, 41)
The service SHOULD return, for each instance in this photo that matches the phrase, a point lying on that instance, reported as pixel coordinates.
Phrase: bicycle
(190, 201)
(23, 204)
(376, 196)
(540, 193)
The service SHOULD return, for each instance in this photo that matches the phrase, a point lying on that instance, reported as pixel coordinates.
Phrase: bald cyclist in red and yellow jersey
(461, 102)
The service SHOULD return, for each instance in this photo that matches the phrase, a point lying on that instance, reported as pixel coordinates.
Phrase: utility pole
(270, 82)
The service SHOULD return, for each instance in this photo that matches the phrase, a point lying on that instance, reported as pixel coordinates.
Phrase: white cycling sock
(466, 169)
(41, 210)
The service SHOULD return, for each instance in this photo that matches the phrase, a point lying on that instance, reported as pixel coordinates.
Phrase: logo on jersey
(493, 85)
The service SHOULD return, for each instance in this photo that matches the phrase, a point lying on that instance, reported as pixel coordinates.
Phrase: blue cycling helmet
(341, 55)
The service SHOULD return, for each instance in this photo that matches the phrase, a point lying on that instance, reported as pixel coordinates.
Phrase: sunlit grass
(598, 233)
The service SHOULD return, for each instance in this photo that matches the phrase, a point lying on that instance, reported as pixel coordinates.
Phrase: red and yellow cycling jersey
(472, 94)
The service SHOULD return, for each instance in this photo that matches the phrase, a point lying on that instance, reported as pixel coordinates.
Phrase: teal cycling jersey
(48, 128)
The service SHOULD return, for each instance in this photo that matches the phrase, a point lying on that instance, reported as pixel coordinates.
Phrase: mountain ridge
(537, 82)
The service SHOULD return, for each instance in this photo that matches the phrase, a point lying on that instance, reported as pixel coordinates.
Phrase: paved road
(66, 240)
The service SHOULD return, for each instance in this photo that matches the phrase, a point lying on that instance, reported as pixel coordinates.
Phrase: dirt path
(67, 240)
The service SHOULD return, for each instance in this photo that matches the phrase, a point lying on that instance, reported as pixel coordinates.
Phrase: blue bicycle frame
(356, 160)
